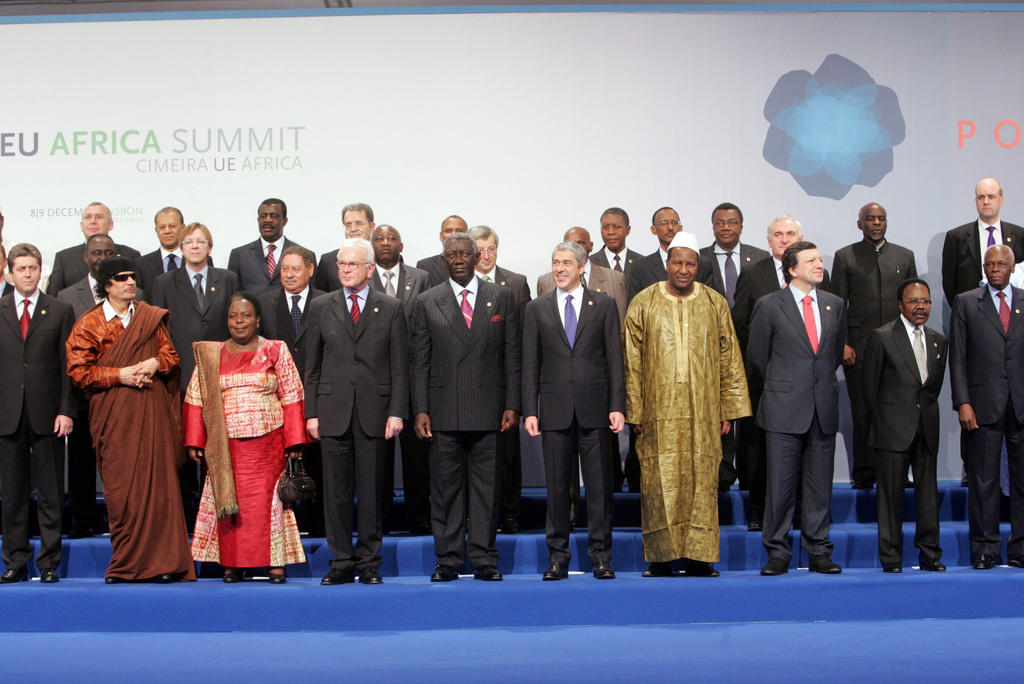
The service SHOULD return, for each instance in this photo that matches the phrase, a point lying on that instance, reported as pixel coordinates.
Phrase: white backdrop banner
(528, 122)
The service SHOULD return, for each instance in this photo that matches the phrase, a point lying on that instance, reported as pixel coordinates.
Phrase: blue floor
(870, 651)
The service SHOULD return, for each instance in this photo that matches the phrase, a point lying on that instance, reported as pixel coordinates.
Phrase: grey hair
(785, 217)
(460, 236)
(482, 233)
(358, 206)
(359, 243)
(570, 246)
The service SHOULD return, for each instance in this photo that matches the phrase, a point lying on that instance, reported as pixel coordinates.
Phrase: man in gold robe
(684, 384)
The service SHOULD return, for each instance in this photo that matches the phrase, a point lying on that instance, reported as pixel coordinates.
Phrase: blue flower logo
(832, 129)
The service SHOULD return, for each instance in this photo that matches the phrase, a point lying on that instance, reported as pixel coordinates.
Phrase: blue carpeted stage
(739, 627)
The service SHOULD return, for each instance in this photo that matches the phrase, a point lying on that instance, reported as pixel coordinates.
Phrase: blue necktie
(172, 263)
(991, 235)
(570, 321)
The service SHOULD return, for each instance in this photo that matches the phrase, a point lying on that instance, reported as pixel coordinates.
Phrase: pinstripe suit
(463, 379)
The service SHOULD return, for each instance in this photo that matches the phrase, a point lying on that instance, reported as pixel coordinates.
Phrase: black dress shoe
(510, 525)
(700, 569)
(984, 562)
(488, 573)
(338, 576)
(370, 576)
(556, 571)
(444, 573)
(80, 533)
(754, 526)
(659, 569)
(233, 575)
(892, 567)
(48, 576)
(932, 565)
(278, 578)
(824, 565)
(165, 578)
(11, 576)
(775, 566)
(115, 580)
(603, 570)
(1016, 562)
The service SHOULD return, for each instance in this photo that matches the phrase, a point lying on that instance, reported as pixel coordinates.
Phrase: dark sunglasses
(121, 277)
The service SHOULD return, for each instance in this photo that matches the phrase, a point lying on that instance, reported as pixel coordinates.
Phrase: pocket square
(496, 318)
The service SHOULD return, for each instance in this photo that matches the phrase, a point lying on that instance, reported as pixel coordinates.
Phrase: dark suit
(903, 414)
(868, 280)
(175, 292)
(356, 378)
(599, 258)
(611, 283)
(276, 324)
(415, 467)
(81, 481)
(754, 282)
(6, 288)
(748, 256)
(464, 378)
(799, 412)
(651, 269)
(34, 389)
(149, 266)
(510, 459)
(69, 266)
(961, 256)
(435, 268)
(985, 370)
(249, 263)
(572, 389)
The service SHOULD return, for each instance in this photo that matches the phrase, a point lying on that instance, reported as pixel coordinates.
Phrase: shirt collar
(109, 314)
(909, 326)
(473, 285)
(719, 249)
(32, 298)
(302, 295)
(983, 226)
(177, 255)
(277, 244)
(204, 271)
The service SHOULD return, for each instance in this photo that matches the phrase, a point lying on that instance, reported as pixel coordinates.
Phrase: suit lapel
(369, 311)
(791, 312)
(10, 314)
(931, 350)
(340, 307)
(974, 247)
(551, 306)
(183, 280)
(213, 282)
(988, 310)
(42, 310)
(483, 310)
(449, 307)
(904, 348)
(585, 306)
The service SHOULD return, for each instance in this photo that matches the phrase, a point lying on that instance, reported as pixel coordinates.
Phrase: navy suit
(799, 412)
(572, 389)
(464, 378)
(986, 366)
(35, 389)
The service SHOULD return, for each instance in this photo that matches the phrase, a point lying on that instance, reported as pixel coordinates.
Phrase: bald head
(988, 196)
(581, 236)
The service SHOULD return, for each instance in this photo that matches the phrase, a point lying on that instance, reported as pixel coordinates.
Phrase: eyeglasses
(122, 277)
(488, 250)
(351, 265)
(915, 302)
(732, 223)
(195, 243)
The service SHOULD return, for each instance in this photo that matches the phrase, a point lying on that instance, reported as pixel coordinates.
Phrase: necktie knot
(991, 235)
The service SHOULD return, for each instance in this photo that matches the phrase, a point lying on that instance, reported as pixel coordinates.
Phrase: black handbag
(295, 484)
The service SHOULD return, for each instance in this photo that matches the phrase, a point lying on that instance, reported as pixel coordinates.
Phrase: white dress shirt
(799, 295)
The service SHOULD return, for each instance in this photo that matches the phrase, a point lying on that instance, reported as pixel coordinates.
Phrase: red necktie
(355, 308)
(271, 262)
(1004, 312)
(25, 319)
(467, 310)
(812, 329)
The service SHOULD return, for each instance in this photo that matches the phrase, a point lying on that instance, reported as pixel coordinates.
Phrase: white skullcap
(688, 240)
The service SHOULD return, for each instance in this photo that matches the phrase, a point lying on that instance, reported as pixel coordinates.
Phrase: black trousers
(750, 460)
(984, 449)
(464, 484)
(891, 470)
(28, 460)
(353, 463)
(81, 484)
(309, 515)
(864, 461)
(561, 448)
(415, 479)
(809, 458)
(510, 462)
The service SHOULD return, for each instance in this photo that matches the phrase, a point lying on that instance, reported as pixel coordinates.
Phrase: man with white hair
(684, 385)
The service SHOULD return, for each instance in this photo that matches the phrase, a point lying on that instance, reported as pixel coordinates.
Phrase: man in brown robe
(684, 384)
(120, 354)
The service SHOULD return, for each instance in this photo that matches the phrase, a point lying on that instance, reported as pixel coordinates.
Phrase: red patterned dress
(263, 410)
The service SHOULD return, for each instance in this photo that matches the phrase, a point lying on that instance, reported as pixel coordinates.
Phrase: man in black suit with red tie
(357, 396)
(285, 317)
(902, 365)
(357, 220)
(466, 371)
(986, 363)
(393, 277)
(257, 263)
(573, 392)
(38, 410)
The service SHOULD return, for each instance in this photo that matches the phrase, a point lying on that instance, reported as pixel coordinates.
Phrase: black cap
(113, 265)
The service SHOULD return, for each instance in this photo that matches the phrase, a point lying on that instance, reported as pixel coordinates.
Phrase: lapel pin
(828, 307)
(936, 344)
(748, 258)
(590, 302)
(213, 289)
(375, 309)
(502, 282)
(488, 303)
(1016, 311)
(43, 312)
(1009, 239)
(408, 287)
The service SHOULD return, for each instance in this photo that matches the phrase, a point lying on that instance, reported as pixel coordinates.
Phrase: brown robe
(137, 436)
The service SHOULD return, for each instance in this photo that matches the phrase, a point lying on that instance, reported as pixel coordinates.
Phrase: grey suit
(799, 411)
(464, 378)
(79, 296)
(249, 263)
(356, 378)
(985, 370)
(69, 266)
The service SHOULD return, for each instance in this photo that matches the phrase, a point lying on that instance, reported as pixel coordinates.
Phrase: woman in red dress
(243, 413)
